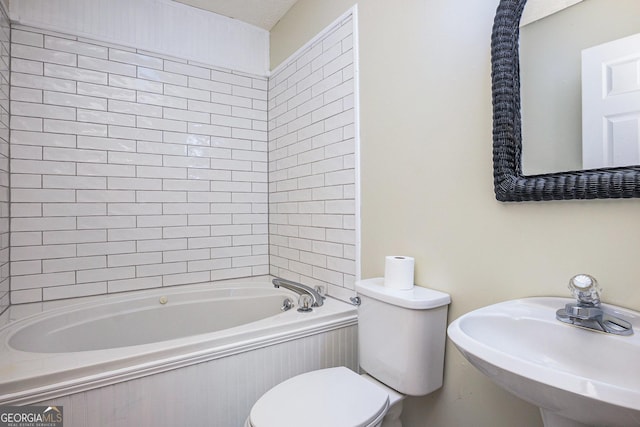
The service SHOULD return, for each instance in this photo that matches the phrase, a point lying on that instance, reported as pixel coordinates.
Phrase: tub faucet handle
(305, 302)
(287, 304)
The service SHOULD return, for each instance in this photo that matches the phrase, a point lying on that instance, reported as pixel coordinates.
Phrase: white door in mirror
(611, 104)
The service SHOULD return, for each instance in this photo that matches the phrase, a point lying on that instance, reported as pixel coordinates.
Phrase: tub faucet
(587, 312)
(300, 289)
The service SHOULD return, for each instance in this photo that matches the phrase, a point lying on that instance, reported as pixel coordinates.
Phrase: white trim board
(356, 89)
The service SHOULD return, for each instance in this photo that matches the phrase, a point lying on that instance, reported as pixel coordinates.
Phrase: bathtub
(189, 355)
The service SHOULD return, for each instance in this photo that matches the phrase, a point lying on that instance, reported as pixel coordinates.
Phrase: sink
(578, 377)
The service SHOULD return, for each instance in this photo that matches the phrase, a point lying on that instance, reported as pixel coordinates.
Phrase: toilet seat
(336, 397)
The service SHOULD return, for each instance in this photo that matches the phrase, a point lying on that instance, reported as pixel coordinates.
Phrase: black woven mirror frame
(509, 183)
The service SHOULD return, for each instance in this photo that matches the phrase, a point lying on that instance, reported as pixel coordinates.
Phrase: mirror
(510, 184)
(551, 76)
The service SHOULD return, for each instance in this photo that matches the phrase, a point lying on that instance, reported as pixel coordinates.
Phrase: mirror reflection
(551, 69)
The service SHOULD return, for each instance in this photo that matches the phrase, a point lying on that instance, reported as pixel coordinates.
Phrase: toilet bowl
(401, 341)
(327, 397)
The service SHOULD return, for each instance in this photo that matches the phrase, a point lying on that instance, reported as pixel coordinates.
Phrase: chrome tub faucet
(316, 298)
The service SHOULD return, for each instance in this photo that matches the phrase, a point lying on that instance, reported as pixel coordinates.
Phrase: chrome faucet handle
(305, 302)
(587, 312)
(287, 304)
(585, 289)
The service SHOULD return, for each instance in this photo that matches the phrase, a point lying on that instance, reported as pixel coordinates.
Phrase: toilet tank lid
(417, 298)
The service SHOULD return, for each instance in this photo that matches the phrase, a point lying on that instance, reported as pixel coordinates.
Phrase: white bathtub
(189, 355)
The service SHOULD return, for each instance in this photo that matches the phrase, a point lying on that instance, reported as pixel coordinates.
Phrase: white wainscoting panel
(220, 392)
(160, 26)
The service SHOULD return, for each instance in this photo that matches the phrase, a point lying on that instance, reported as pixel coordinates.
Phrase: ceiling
(261, 13)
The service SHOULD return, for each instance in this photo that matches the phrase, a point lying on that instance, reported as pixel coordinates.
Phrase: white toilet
(401, 338)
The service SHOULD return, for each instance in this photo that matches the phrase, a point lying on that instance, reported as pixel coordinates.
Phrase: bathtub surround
(4, 159)
(135, 170)
(312, 161)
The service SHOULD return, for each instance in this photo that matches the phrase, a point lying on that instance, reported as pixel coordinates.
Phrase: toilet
(401, 339)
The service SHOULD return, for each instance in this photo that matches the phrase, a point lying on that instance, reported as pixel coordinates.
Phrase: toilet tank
(401, 336)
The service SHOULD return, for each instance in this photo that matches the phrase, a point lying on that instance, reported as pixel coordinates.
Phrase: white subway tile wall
(4, 160)
(312, 177)
(130, 170)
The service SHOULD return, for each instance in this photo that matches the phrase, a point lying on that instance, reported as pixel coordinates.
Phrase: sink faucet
(587, 312)
(300, 289)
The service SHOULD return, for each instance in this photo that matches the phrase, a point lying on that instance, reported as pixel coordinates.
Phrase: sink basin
(578, 377)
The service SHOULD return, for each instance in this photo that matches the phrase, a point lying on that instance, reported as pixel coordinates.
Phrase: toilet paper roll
(398, 272)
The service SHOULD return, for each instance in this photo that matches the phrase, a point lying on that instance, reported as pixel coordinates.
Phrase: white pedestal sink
(577, 377)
